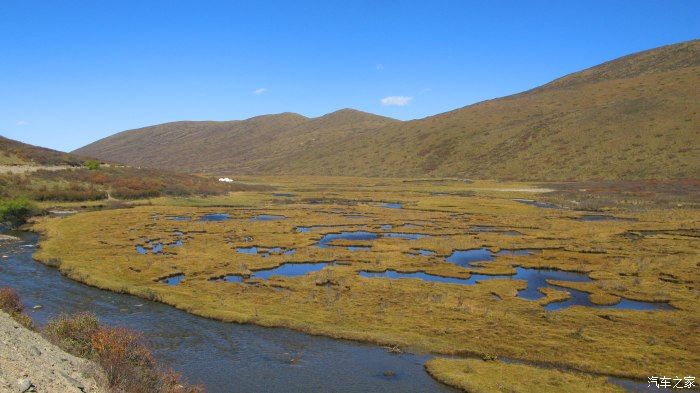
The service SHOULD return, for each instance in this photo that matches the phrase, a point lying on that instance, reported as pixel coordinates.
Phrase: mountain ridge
(635, 117)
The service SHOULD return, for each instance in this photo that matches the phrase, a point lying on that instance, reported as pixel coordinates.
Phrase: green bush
(15, 211)
(92, 165)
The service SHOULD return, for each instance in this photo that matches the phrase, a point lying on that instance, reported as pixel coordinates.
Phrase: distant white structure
(226, 180)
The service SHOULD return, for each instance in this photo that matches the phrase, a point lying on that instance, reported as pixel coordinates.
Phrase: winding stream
(223, 356)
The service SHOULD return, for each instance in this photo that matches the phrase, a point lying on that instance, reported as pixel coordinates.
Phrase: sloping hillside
(637, 117)
(50, 175)
(225, 146)
(17, 153)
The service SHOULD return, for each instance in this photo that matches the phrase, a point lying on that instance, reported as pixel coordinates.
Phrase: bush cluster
(15, 211)
(121, 352)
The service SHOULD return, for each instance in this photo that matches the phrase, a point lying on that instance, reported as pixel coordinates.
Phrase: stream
(223, 356)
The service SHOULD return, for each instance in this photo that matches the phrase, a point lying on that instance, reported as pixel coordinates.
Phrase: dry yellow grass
(477, 376)
(98, 248)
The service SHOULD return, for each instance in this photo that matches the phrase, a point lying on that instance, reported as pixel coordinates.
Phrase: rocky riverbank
(29, 363)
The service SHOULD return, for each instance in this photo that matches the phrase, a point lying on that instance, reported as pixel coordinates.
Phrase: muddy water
(225, 357)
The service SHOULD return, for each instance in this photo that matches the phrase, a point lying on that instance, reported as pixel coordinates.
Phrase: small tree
(15, 211)
(92, 165)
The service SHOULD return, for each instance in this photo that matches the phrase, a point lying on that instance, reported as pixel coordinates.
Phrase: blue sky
(73, 72)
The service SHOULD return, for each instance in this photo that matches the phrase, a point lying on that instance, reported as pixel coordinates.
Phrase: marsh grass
(478, 376)
(97, 248)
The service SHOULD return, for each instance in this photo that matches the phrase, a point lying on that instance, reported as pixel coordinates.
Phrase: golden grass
(98, 248)
(478, 376)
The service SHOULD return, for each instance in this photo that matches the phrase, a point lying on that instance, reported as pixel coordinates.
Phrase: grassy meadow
(648, 254)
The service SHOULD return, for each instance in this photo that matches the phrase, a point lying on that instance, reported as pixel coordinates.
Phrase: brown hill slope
(42, 174)
(231, 146)
(636, 117)
(13, 152)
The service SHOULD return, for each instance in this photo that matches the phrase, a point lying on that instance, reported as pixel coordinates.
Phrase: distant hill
(636, 117)
(17, 153)
(43, 174)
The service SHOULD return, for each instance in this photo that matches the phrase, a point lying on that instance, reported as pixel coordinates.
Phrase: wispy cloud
(396, 100)
(259, 91)
(21, 123)
(380, 67)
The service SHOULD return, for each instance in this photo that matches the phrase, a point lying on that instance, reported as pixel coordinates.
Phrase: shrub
(92, 165)
(73, 333)
(10, 301)
(15, 211)
(130, 366)
(121, 352)
(11, 304)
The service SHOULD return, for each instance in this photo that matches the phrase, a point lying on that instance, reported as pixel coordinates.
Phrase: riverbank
(30, 363)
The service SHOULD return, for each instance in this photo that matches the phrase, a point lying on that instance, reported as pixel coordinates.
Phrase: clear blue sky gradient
(73, 72)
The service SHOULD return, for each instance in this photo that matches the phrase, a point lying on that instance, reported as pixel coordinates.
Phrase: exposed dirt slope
(28, 361)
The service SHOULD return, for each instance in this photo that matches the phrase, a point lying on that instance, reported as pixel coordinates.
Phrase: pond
(466, 258)
(215, 217)
(173, 280)
(536, 279)
(267, 217)
(328, 238)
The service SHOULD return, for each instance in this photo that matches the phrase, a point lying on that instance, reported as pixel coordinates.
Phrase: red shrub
(129, 364)
(10, 301)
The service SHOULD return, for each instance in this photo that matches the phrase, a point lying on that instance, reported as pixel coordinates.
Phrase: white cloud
(396, 100)
(21, 123)
(259, 91)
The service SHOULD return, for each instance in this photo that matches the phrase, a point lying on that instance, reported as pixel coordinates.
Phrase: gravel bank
(29, 363)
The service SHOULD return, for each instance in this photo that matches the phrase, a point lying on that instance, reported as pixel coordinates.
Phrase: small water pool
(466, 258)
(215, 217)
(422, 252)
(247, 250)
(179, 218)
(405, 235)
(536, 279)
(544, 205)
(284, 270)
(173, 280)
(359, 248)
(267, 217)
(328, 238)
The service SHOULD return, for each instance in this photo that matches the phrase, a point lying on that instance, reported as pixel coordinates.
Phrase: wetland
(455, 271)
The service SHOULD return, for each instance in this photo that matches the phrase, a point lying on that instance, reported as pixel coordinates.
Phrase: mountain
(232, 146)
(636, 117)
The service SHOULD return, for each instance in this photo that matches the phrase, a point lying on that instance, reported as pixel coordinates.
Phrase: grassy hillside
(50, 180)
(637, 117)
(17, 153)
(226, 146)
